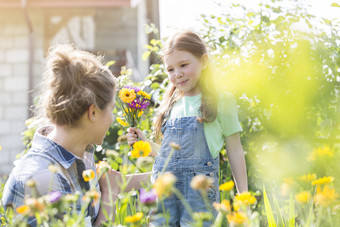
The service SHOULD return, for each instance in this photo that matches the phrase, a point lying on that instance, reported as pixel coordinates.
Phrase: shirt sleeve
(227, 114)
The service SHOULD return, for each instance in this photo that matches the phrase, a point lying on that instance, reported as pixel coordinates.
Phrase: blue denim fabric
(193, 158)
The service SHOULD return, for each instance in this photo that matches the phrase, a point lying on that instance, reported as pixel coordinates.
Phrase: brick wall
(14, 58)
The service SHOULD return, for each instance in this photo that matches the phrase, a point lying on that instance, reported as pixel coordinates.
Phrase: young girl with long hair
(199, 118)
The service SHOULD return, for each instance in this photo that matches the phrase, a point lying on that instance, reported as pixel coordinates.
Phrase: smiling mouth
(182, 82)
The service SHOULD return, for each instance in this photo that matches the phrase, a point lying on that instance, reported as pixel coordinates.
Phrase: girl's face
(184, 70)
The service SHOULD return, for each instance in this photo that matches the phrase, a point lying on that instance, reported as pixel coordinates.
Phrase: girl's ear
(91, 112)
(205, 60)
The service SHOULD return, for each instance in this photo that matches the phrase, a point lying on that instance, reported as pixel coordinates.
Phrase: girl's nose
(178, 73)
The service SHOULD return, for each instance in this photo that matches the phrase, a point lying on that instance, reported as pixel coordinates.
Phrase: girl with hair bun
(76, 103)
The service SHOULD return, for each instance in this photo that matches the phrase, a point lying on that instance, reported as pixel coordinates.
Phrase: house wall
(114, 29)
(14, 58)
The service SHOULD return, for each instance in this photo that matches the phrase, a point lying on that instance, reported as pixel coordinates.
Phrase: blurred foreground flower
(102, 167)
(88, 175)
(35, 204)
(54, 168)
(309, 177)
(148, 198)
(92, 194)
(145, 163)
(201, 183)
(134, 218)
(320, 152)
(141, 149)
(303, 197)
(245, 198)
(323, 180)
(53, 197)
(163, 184)
(174, 145)
(237, 218)
(31, 183)
(23, 209)
(223, 207)
(227, 186)
(325, 196)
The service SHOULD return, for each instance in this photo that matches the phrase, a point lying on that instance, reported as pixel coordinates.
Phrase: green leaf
(291, 222)
(108, 64)
(335, 5)
(279, 211)
(310, 216)
(268, 209)
(146, 54)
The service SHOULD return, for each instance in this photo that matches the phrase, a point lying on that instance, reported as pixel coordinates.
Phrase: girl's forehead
(178, 55)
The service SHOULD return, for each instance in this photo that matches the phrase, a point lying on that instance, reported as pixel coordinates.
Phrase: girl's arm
(134, 134)
(237, 162)
(110, 186)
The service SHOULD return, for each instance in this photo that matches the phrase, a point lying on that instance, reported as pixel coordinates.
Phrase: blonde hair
(188, 41)
(72, 81)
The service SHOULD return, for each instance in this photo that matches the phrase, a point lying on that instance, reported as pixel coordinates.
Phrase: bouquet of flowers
(133, 101)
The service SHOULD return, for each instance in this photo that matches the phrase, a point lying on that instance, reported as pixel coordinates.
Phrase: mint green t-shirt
(225, 124)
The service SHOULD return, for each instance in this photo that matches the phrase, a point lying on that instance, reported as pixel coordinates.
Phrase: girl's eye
(170, 70)
(183, 65)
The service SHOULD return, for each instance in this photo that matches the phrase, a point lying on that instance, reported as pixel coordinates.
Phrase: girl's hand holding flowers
(133, 135)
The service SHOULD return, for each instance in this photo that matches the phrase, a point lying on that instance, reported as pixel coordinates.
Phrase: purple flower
(54, 197)
(134, 88)
(147, 198)
(139, 104)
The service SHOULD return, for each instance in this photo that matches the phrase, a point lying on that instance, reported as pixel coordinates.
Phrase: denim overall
(193, 158)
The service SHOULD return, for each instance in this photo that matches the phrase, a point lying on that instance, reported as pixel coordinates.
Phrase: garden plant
(282, 64)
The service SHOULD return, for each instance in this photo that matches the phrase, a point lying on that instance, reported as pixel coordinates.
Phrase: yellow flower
(308, 178)
(35, 204)
(127, 95)
(31, 183)
(0, 147)
(102, 166)
(236, 206)
(141, 149)
(201, 182)
(245, 198)
(237, 218)
(135, 218)
(325, 196)
(223, 207)
(23, 209)
(227, 186)
(325, 151)
(164, 184)
(88, 175)
(324, 180)
(93, 194)
(70, 198)
(140, 113)
(144, 94)
(303, 197)
(122, 122)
